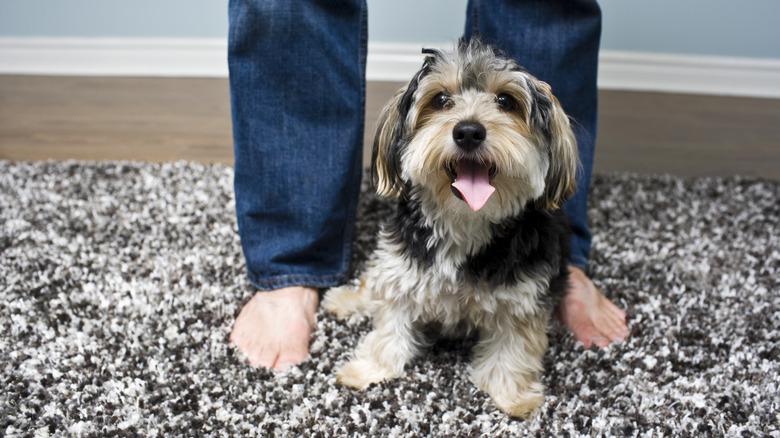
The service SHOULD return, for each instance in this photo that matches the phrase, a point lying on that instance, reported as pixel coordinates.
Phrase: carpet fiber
(119, 284)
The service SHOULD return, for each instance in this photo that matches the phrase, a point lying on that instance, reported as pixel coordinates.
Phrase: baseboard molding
(696, 74)
(198, 57)
(190, 57)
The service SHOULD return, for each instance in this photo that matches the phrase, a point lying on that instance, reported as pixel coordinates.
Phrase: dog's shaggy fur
(444, 259)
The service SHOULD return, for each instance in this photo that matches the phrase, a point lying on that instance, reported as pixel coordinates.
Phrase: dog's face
(478, 133)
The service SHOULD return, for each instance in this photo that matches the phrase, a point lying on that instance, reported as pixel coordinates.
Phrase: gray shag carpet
(119, 284)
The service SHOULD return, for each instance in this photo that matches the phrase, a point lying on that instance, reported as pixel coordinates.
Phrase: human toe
(293, 353)
(610, 307)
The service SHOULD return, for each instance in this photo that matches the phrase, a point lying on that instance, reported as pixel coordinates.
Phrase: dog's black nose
(468, 135)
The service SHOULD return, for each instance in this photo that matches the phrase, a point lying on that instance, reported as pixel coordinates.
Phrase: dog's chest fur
(452, 268)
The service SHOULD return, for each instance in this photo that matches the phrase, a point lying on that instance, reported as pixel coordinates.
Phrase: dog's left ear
(551, 125)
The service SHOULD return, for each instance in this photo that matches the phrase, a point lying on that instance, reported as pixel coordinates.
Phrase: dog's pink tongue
(473, 183)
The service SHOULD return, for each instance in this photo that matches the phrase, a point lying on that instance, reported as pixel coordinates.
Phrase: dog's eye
(442, 101)
(506, 102)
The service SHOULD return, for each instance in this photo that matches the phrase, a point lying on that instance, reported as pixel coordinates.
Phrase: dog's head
(475, 130)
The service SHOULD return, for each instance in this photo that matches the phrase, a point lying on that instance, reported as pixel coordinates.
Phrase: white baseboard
(206, 57)
(190, 57)
(697, 74)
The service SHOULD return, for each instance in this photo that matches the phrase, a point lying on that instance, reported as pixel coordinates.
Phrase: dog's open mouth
(471, 181)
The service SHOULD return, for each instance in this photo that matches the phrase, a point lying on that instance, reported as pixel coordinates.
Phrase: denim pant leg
(558, 42)
(297, 72)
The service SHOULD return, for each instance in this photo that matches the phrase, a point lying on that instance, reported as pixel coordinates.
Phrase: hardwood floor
(688, 134)
(114, 118)
(161, 119)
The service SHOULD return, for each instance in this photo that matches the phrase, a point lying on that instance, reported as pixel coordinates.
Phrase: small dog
(478, 156)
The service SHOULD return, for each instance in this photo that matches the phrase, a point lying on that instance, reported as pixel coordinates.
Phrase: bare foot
(274, 327)
(588, 314)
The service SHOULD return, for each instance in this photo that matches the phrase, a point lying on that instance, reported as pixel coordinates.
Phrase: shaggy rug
(119, 284)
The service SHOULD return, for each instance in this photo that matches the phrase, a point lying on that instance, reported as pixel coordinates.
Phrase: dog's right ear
(385, 162)
(392, 136)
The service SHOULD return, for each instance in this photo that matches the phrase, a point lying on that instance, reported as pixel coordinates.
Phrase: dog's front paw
(344, 301)
(359, 373)
(523, 404)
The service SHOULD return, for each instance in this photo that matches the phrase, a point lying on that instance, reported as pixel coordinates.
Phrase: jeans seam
(349, 223)
(474, 19)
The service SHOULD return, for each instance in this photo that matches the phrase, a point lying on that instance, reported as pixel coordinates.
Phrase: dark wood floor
(155, 119)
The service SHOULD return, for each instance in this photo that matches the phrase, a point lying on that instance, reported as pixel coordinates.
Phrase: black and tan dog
(478, 156)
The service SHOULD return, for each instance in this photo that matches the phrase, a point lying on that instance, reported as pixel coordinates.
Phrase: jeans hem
(580, 262)
(289, 280)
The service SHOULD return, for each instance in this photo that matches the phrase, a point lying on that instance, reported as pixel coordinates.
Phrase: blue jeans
(297, 83)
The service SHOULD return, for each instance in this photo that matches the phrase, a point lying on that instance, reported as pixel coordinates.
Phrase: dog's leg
(508, 360)
(384, 352)
(347, 300)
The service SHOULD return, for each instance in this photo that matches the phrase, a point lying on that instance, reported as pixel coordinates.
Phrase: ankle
(305, 298)
(294, 291)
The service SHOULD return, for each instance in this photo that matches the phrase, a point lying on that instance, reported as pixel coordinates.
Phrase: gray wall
(713, 27)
